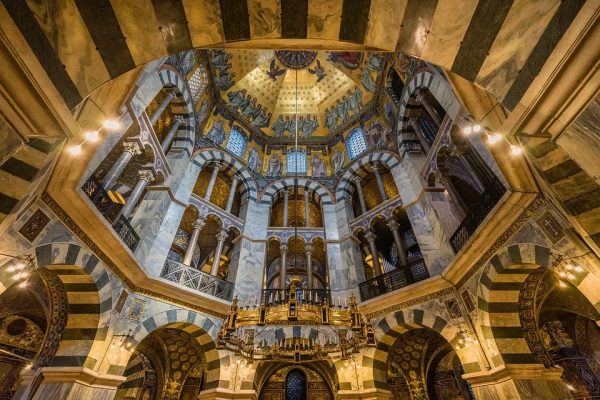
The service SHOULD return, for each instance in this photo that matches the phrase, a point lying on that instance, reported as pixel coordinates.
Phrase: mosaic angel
(319, 71)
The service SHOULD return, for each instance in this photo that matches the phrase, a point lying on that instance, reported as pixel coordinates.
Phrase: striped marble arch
(501, 45)
(318, 192)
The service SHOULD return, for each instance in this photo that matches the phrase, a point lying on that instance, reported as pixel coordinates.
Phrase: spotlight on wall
(111, 124)
(92, 135)
(468, 130)
(76, 149)
(476, 128)
(515, 149)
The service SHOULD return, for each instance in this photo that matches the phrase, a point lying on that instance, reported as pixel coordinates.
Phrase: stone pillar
(130, 149)
(519, 381)
(221, 236)
(307, 208)
(375, 167)
(169, 138)
(361, 197)
(414, 122)
(309, 272)
(163, 106)
(429, 108)
(67, 383)
(189, 253)
(234, 182)
(286, 195)
(211, 183)
(394, 226)
(444, 178)
(370, 236)
(282, 272)
(146, 177)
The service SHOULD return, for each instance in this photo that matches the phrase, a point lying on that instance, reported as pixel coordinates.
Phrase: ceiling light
(515, 149)
(457, 347)
(76, 149)
(491, 139)
(111, 124)
(569, 267)
(562, 284)
(92, 135)
(571, 276)
(11, 269)
(467, 130)
(477, 128)
(17, 276)
(23, 274)
(562, 274)
(23, 284)
(20, 266)
(578, 268)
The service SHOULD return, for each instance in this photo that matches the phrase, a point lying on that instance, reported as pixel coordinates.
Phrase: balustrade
(195, 279)
(111, 211)
(489, 198)
(393, 280)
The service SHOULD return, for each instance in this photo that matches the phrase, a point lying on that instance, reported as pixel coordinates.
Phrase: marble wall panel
(146, 92)
(9, 142)
(385, 19)
(514, 43)
(204, 22)
(478, 144)
(449, 25)
(257, 220)
(324, 19)
(64, 27)
(138, 23)
(442, 91)
(449, 219)
(265, 19)
(250, 270)
(346, 269)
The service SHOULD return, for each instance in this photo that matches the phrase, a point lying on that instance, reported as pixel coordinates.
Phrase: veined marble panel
(442, 91)
(204, 21)
(324, 19)
(265, 19)
(257, 220)
(64, 27)
(146, 92)
(250, 270)
(449, 25)
(138, 23)
(385, 19)
(514, 43)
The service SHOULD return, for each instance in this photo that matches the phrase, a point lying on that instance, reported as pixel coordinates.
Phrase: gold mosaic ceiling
(278, 93)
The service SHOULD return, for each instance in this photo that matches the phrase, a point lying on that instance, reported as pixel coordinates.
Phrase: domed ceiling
(259, 87)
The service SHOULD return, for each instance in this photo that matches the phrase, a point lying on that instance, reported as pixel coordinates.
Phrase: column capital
(375, 166)
(370, 236)
(132, 147)
(286, 191)
(392, 224)
(442, 176)
(217, 166)
(413, 121)
(171, 93)
(308, 249)
(222, 235)
(283, 247)
(420, 96)
(199, 223)
(179, 118)
(146, 175)
(235, 179)
(356, 179)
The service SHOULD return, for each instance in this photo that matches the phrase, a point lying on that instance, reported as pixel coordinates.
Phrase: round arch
(360, 167)
(322, 194)
(498, 299)
(206, 155)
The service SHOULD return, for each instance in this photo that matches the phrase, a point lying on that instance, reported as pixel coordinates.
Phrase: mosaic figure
(367, 80)
(279, 126)
(274, 71)
(254, 161)
(338, 159)
(237, 99)
(318, 167)
(216, 134)
(275, 166)
(319, 71)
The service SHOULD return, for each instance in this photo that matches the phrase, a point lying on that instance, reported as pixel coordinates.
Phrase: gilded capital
(132, 147)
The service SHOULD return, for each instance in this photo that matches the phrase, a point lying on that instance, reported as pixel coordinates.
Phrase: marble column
(146, 177)
(286, 196)
(375, 167)
(189, 253)
(309, 271)
(283, 272)
(163, 106)
(234, 182)
(307, 207)
(361, 196)
(130, 149)
(171, 134)
(394, 227)
(444, 178)
(221, 236)
(414, 122)
(370, 236)
(211, 183)
(429, 108)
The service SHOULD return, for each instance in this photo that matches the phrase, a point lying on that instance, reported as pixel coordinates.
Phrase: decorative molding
(410, 303)
(90, 244)
(508, 233)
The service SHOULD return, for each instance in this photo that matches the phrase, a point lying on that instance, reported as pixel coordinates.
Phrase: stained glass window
(296, 162)
(236, 142)
(295, 385)
(198, 83)
(355, 141)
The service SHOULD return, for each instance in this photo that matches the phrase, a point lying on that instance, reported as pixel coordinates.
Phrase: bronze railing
(489, 198)
(195, 279)
(111, 211)
(277, 296)
(393, 280)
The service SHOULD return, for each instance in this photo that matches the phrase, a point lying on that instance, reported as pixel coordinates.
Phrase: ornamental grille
(236, 143)
(296, 162)
(356, 143)
(295, 385)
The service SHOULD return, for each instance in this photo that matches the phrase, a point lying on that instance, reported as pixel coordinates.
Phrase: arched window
(236, 142)
(295, 385)
(296, 162)
(198, 83)
(355, 141)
